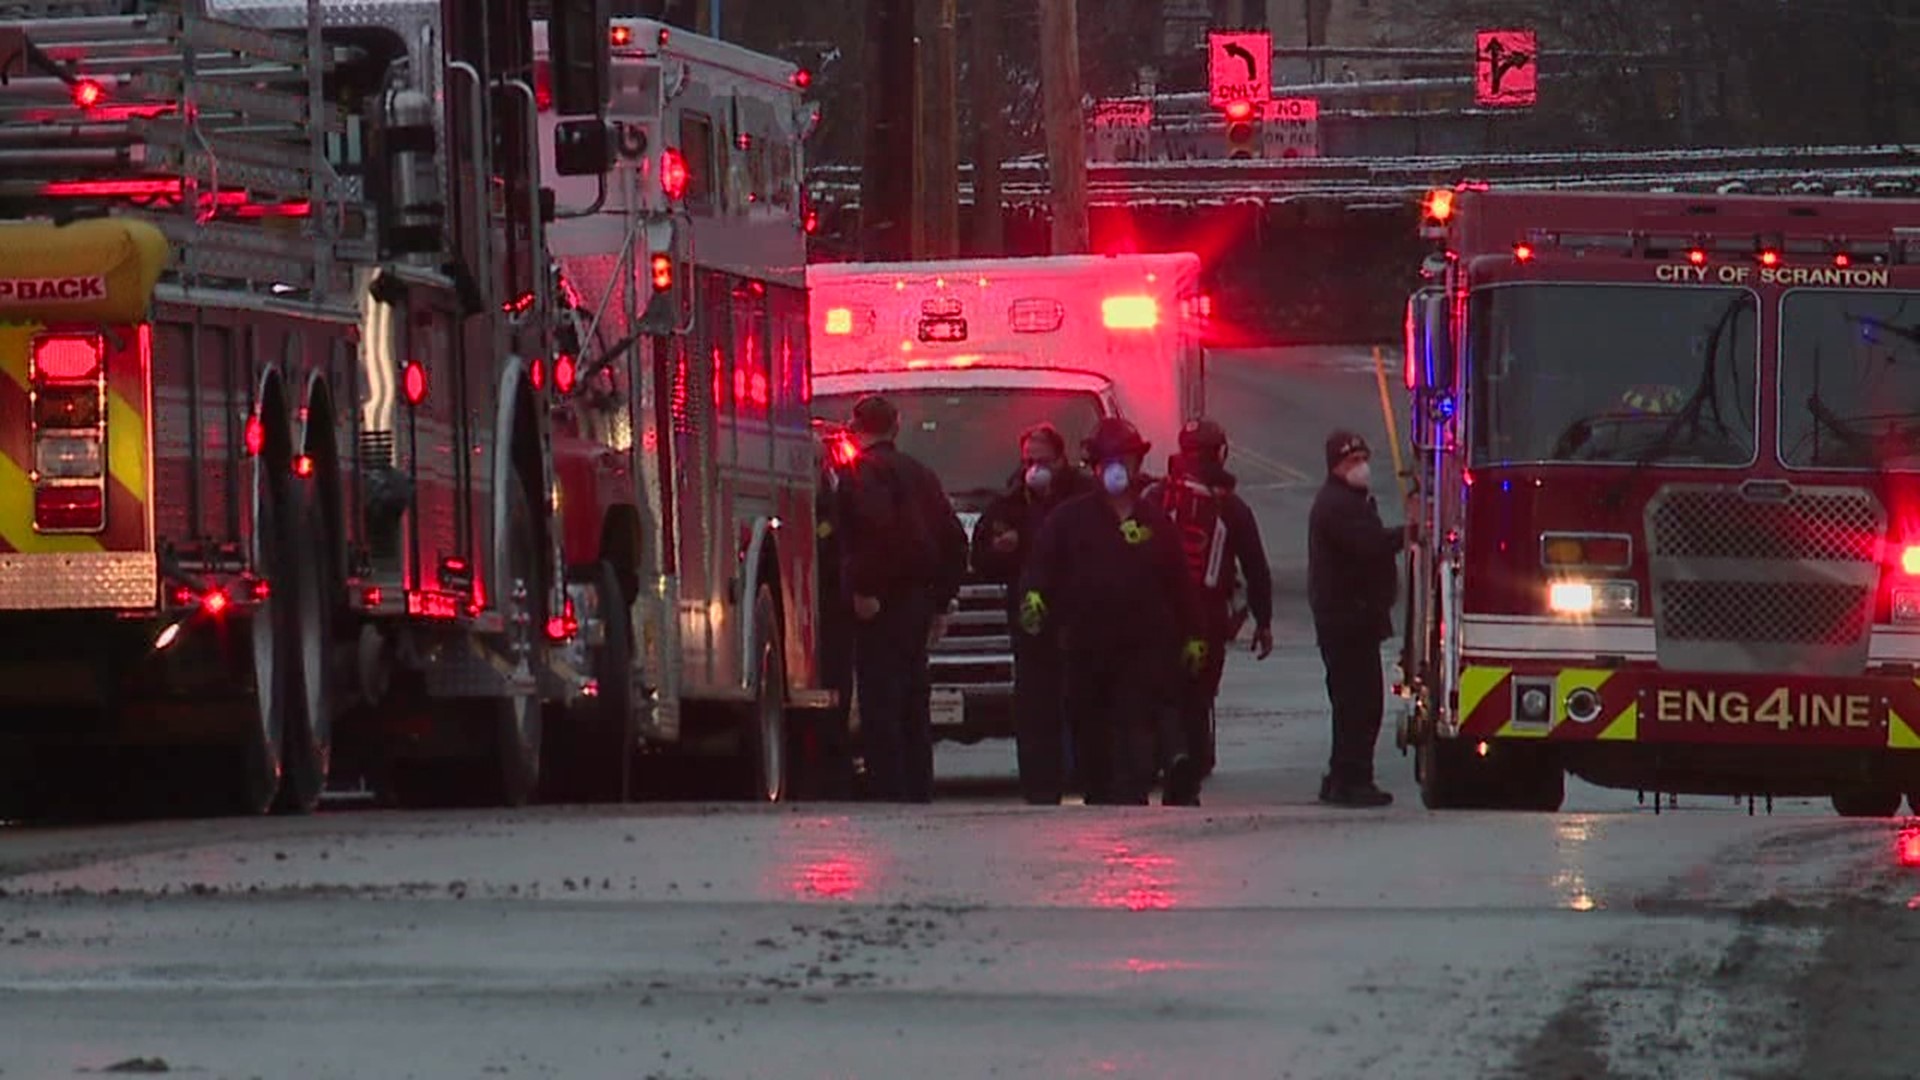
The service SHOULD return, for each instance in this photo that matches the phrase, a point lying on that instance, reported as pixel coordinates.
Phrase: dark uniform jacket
(898, 531)
(1019, 510)
(1243, 541)
(1352, 582)
(1114, 587)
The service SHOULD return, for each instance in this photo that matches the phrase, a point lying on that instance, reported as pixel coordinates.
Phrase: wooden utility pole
(939, 85)
(989, 220)
(888, 212)
(1066, 125)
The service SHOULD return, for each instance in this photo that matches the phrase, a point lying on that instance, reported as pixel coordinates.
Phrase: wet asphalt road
(1259, 936)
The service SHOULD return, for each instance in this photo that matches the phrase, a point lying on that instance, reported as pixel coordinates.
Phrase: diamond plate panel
(94, 579)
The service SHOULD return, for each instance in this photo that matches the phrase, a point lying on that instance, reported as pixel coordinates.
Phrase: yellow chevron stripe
(1900, 734)
(127, 445)
(1625, 727)
(16, 516)
(13, 352)
(1475, 684)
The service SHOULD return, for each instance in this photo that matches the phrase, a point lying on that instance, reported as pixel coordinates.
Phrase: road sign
(1239, 66)
(1293, 128)
(1506, 68)
(1120, 129)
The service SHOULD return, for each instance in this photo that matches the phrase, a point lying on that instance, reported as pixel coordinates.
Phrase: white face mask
(1039, 477)
(1360, 476)
(1115, 477)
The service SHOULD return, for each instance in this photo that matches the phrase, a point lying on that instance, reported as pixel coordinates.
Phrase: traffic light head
(1243, 130)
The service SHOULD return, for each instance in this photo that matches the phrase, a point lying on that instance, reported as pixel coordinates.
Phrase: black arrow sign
(1234, 48)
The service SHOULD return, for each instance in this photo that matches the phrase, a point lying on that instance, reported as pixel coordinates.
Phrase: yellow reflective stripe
(16, 517)
(13, 353)
(1475, 684)
(127, 445)
(1625, 727)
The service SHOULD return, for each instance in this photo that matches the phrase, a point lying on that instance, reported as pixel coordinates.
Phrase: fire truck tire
(764, 753)
(309, 593)
(1866, 802)
(594, 762)
(1453, 776)
(249, 783)
(513, 761)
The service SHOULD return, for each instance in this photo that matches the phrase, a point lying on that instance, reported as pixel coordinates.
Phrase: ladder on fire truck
(218, 134)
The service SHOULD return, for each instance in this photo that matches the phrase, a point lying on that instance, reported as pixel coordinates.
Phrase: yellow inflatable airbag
(102, 270)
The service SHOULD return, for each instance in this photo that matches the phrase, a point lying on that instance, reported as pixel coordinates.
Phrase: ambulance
(975, 352)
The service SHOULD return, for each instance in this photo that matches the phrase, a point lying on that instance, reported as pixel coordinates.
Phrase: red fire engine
(1669, 504)
(277, 485)
(686, 462)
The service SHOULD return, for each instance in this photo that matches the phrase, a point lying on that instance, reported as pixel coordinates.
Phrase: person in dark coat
(1199, 493)
(903, 554)
(1352, 585)
(1108, 576)
(1002, 544)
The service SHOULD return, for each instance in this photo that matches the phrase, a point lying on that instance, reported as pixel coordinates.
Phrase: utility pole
(989, 221)
(888, 212)
(940, 88)
(1066, 125)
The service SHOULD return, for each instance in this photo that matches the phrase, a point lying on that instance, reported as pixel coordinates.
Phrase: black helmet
(1203, 438)
(1115, 438)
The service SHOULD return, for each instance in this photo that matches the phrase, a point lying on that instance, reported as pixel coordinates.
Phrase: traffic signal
(1243, 130)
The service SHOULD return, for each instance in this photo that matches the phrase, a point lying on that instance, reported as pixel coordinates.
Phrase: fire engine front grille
(1801, 613)
(1832, 524)
(1765, 578)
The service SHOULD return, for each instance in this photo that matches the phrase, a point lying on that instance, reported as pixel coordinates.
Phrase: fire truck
(685, 462)
(974, 352)
(1668, 501)
(282, 496)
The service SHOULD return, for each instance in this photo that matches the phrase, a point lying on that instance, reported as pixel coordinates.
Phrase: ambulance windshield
(1631, 374)
(970, 437)
(1850, 380)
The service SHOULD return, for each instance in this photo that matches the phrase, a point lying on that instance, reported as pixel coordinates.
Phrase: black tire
(601, 734)
(513, 762)
(1866, 802)
(765, 755)
(249, 783)
(309, 593)
(1453, 776)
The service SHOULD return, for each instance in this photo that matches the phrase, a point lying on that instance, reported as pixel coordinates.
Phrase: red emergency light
(87, 93)
(1523, 252)
(413, 382)
(565, 371)
(673, 175)
(621, 36)
(303, 466)
(1769, 257)
(67, 357)
(662, 267)
(1440, 205)
(803, 78)
(839, 321)
(1697, 256)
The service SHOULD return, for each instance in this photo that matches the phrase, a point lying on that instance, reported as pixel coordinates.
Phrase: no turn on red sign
(1239, 66)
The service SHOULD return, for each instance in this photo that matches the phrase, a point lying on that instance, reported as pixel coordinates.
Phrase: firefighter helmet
(1115, 438)
(1203, 437)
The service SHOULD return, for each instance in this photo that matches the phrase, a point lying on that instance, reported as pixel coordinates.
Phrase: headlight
(1591, 598)
(1906, 605)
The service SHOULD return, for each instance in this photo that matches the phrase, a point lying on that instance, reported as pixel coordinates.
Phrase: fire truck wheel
(1866, 802)
(596, 759)
(309, 594)
(763, 736)
(513, 765)
(1455, 776)
(253, 782)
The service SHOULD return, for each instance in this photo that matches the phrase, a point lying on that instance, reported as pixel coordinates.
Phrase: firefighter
(1352, 585)
(1002, 544)
(1217, 533)
(1108, 577)
(904, 552)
